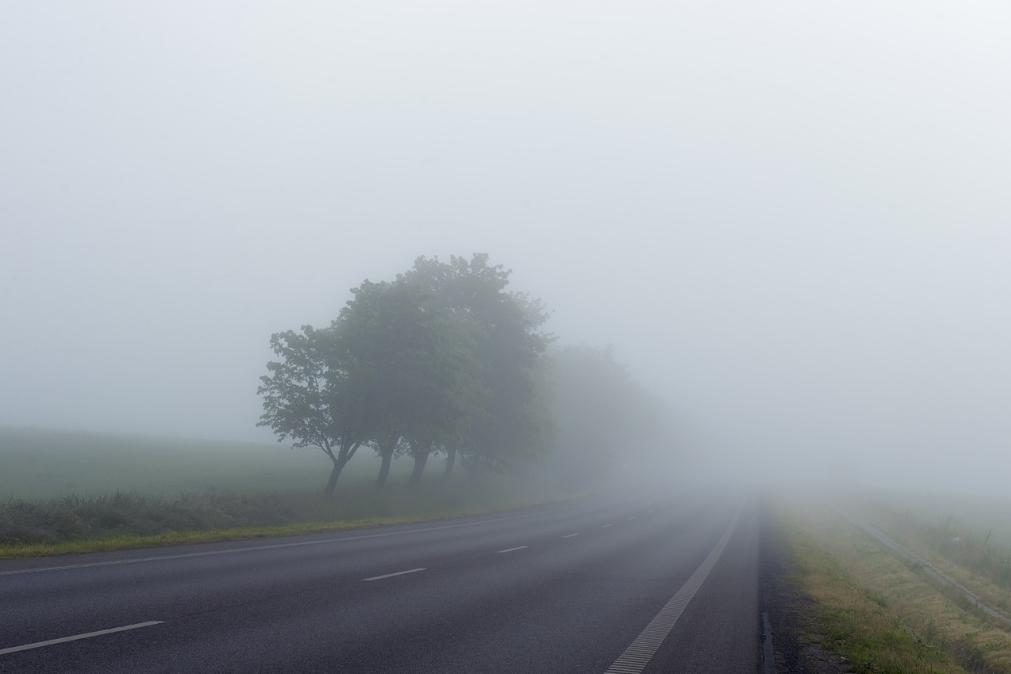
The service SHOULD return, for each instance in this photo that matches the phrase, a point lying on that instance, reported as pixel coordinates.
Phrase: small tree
(308, 397)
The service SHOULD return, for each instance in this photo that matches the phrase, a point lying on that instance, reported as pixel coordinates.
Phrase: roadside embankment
(843, 602)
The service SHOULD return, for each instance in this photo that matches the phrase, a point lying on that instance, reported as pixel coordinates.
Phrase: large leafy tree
(372, 325)
(437, 375)
(408, 362)
(502, 422)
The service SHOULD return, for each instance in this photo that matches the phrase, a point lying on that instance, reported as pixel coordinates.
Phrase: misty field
(38, 464)
(68, 492)
(975, 517)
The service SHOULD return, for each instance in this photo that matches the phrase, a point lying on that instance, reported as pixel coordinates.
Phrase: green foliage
(441, 359)
(502, 420)
(446, 358)
(312, 396)
(302, 390)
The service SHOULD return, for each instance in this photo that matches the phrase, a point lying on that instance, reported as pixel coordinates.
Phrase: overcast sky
(793, 219)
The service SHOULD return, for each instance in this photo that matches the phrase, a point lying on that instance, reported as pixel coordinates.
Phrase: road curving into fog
(644, 584)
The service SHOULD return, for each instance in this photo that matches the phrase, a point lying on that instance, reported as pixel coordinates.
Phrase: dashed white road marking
(518, 547)
(570, 535)
(78, 637)
(641, 651)
(604, 526)
(391, 575)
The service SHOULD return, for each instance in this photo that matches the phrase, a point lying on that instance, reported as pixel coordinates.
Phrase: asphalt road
(666, 584)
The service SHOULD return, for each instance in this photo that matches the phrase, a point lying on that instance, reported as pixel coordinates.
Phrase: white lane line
(78, 637)
(641, 651)
(391, 575)
(518, 547)
(605, 525)
(251, 548)
(570, 535)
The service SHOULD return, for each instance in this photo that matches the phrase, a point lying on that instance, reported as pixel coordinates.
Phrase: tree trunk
(384, 468)
(335, 472)
(450, 463)
(344, 456)
(420, 459)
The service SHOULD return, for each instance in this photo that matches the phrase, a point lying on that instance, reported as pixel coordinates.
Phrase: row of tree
(446, 359)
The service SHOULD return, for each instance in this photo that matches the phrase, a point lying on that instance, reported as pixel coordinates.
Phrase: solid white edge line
(638, 654)
(518, 547)
(78, 637)
(251, 548)
(391, 575)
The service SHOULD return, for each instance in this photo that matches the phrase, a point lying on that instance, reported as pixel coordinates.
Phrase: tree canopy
(443, 359)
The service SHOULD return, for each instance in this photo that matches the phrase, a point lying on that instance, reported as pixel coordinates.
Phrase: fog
(790, 219)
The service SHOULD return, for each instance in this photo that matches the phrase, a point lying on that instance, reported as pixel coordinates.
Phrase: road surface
(624, 585)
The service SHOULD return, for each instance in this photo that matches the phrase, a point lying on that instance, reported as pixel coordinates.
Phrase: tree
(502, 422)
(407, 363)
(370, 323)
(603, 419)
(308, 396)
(440, 376)
(383, 326)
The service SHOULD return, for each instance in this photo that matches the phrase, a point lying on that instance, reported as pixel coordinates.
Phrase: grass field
(38, 464)
(74, 492)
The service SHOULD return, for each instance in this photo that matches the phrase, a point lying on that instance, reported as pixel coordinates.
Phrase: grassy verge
(877, 611)
(128, 542)
(124, 521)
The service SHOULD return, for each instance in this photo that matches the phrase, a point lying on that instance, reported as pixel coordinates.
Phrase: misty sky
(793, 219)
